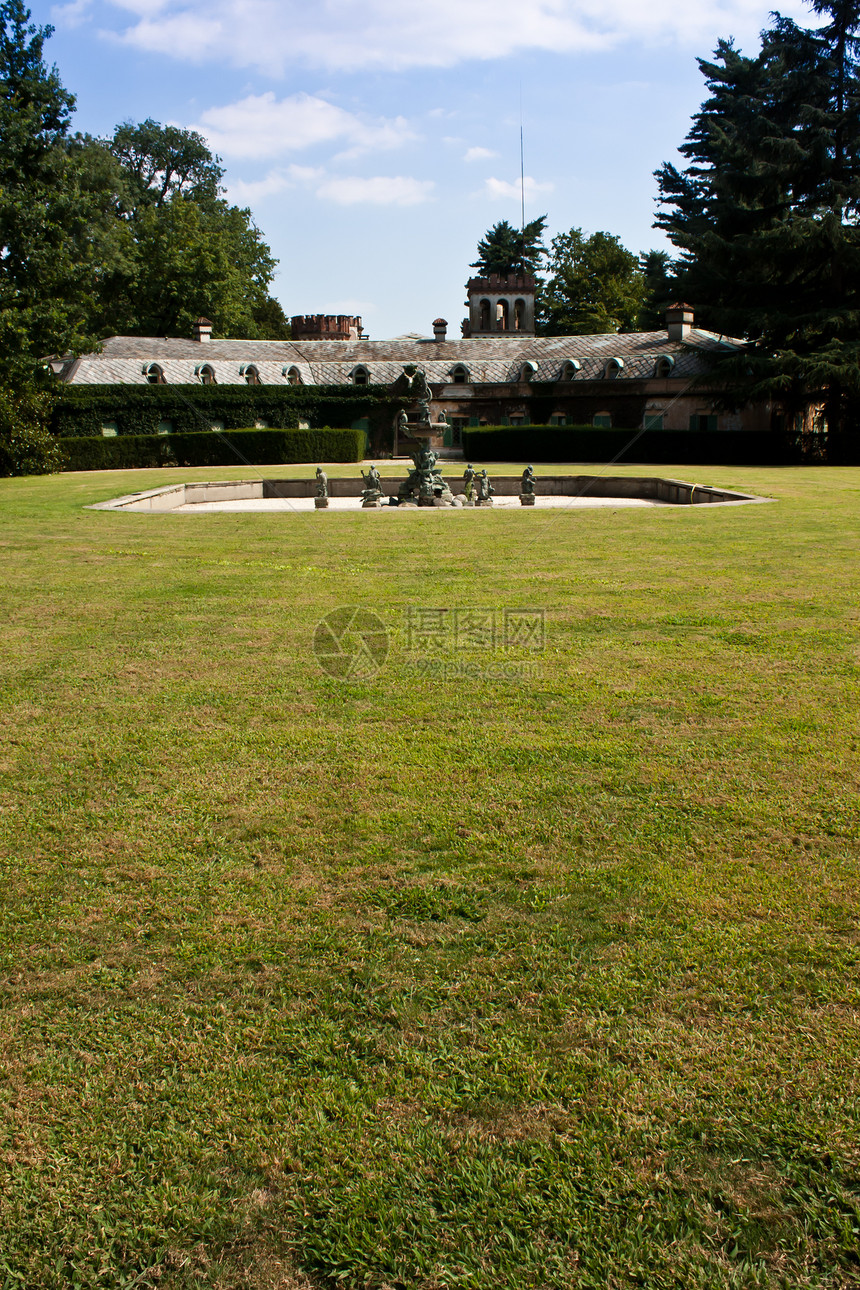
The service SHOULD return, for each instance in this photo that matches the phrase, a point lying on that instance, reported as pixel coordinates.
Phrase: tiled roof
(494, 359)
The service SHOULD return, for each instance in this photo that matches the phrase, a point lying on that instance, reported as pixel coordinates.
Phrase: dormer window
(360, 375)
(154, 374)
(205, 374)
(528, 372)
(293, 375)
(250, 373)
(663, 366)
(570, 369)
(460, 375)
(613, 369)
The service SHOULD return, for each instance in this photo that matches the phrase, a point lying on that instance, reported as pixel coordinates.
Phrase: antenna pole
(522, 172)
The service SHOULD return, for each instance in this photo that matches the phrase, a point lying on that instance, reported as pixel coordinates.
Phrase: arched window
(602, 421)
(360, 375)
(570, 369)
(485, 315)
(154, 374)
(502, 315)
(528, 372)
(250, 373)
(613, 368)
(663, 366)
(519, 315)
(460, 375)
(205, 374)
(293, 375)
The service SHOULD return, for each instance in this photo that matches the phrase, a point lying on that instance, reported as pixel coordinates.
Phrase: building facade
(497, 373)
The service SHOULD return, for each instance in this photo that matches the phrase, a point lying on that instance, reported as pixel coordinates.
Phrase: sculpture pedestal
(527, 499)
(488, 501)
(321, 503)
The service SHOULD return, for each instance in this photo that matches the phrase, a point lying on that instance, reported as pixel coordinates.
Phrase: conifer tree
(505, 249)
(766, 211)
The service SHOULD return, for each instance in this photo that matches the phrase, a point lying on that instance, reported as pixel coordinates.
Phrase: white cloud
(72, 14)
(501, 190)
(394, 35)
(380, 190)
(479, 154)
(263, 125)
(345, 190)
(247, 192)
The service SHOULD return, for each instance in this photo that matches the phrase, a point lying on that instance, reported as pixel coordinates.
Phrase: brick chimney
(440, 328)
(679, 321)
(203, 329)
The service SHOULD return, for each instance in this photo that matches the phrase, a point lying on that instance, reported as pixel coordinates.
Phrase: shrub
(27, 446)
(236, 447)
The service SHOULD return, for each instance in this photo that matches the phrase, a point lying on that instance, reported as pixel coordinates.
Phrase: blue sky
(376, 141)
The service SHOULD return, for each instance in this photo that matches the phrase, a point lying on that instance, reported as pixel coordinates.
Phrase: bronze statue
(485, 489)
(373, 479)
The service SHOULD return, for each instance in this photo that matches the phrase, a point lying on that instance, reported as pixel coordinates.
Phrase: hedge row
(234, 448)
(138, 409)
(658, 447)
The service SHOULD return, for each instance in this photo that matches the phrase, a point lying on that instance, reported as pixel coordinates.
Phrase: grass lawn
(503, 969)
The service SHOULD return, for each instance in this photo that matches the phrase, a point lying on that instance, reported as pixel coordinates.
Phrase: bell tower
(502, 304)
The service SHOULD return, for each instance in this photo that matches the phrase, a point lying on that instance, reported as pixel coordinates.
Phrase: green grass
(493, 983)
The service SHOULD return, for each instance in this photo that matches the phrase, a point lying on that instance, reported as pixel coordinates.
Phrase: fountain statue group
(424, 486)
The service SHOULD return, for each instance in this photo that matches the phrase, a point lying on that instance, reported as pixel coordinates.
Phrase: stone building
(497, 373)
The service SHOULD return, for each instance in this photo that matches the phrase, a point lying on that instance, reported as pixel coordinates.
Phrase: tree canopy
(127, 234)
(46, 239)
(165, 161)
(505, 249)
(765, 213)
(594, 285)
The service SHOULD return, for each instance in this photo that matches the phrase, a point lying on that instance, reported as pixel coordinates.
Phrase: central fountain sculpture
(424, 486)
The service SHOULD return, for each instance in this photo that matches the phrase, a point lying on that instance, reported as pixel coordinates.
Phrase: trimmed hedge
(657, 447)
(843, 449)
(233, 448)
(137, 409)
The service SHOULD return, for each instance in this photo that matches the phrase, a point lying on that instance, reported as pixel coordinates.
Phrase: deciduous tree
(594, 285)
(45, 212)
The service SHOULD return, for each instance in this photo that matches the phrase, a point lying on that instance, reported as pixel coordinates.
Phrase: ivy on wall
(140, 410)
